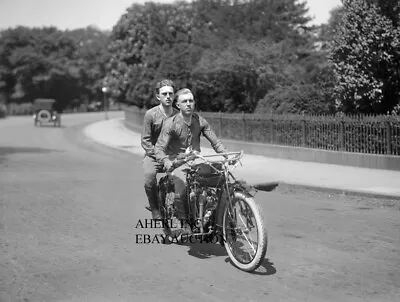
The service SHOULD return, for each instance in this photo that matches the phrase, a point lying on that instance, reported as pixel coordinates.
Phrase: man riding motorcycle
(180, 132)
(153, 122)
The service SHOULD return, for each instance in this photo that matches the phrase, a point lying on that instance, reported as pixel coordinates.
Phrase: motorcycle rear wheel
(246, 207)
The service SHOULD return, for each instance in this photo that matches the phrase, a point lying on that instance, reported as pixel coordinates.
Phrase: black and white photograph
(200, 150)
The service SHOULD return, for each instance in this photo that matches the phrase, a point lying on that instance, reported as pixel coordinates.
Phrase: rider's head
(185, 101)
(165, 92)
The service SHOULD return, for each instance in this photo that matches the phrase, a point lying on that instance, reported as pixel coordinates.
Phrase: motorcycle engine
(210, 204)
(212, 199)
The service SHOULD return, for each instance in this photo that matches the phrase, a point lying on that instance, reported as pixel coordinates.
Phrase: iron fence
(372, 134)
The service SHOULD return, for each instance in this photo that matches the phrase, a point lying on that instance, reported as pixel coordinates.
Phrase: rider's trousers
(151, 168)
(180, 201)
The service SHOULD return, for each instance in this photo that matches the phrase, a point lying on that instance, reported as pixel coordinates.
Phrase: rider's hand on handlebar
(192, 155)
(181, 156)
(225, 155)
(169, 166)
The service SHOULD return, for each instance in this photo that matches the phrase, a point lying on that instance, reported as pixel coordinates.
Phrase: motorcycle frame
(231, 184)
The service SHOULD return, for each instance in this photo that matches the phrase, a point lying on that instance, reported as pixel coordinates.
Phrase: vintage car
(45, 112)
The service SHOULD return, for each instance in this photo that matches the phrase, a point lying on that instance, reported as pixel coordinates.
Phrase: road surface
(69, 207)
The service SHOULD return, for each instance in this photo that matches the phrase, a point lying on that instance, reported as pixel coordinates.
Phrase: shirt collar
(183, 120)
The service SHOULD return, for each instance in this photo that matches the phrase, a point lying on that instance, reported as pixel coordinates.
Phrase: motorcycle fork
(191, 202)
(229, 204)
(229, 192)
(242, 210)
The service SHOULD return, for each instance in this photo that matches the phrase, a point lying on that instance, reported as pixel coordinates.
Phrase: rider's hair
(181, 92)
(164, 82)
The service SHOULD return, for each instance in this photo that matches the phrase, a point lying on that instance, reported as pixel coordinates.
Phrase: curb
(339, 191)
(315, 188)
(130, 126)
(76, 135)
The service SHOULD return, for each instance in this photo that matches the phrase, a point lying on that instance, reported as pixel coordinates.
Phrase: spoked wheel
(166, 206)
(244, 232)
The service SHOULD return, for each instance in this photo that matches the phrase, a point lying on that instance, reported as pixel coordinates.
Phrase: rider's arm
(146, 134)
(162, 143)
(208, 133)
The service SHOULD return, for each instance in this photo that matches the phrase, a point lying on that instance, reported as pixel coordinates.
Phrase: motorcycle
(220, 208)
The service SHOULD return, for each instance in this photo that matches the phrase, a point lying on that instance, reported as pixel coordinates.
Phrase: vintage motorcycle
(220, 208)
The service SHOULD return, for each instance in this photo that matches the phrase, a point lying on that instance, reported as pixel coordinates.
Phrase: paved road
(68, 211)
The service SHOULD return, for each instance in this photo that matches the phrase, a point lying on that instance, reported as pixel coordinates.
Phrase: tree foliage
(231, 52)
(328, 30)
(237, 55)
(149, 42)
(49, 63)
(366, 57)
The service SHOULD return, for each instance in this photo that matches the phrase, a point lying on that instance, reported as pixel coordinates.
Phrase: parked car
(45, 112)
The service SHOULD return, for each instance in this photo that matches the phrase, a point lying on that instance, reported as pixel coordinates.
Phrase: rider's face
(166, 96)
(186, 103)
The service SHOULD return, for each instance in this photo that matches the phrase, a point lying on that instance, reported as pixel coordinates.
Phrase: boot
(152, 197)
(156, 214)
(182, 214)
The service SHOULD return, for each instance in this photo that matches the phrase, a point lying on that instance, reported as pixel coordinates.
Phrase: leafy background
(253, 56)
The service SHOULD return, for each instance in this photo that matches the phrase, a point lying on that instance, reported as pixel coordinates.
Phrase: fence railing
(371, 134)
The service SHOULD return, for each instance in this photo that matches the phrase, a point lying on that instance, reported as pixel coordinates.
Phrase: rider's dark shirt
(152, 124)
(176, 136)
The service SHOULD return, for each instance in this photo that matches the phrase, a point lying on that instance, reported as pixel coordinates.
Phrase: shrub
(308, 98)
(3, 111)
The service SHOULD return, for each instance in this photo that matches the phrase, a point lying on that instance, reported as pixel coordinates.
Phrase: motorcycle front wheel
(245, 236)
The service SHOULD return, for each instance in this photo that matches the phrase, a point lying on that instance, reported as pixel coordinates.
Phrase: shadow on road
(266, 268)
(206, 250)
(50, 126)
(6, 151)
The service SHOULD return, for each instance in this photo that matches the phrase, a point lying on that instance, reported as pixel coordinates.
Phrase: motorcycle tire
(262, 237)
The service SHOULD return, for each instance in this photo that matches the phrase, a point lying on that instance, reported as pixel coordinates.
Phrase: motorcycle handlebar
(226, 155)
(184, 158)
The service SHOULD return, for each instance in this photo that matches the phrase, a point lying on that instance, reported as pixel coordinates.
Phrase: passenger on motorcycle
(180, 132)
(153, 121)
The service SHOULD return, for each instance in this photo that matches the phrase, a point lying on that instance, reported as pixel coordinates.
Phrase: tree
(297, 98)
(149, 42)
(92, 56)
(237, 77)
(49, 63)
(40, 63)
(328, 30)
(261, 45)
(366, 57)
(231, 52)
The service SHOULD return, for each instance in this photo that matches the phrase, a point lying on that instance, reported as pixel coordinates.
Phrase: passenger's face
(186, 103)
(166, 95)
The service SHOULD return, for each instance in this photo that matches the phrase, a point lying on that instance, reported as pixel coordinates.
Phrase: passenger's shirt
(176, 136)
(153, 121)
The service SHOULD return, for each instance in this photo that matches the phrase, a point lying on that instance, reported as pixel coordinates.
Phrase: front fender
(243, 186)
(237, 186)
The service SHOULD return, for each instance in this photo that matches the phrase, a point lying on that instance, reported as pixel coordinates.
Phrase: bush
(310, 99)
(20, 109)
(3, 111)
